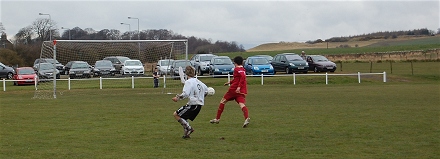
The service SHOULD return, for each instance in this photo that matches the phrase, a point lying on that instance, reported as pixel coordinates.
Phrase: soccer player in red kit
(237, 91)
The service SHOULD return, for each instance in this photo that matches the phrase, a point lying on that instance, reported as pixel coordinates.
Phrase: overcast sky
(249, 23)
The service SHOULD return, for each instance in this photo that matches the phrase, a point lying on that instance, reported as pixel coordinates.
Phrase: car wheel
(199, 71)
(288, 70)
(15, 83)
(315, 69)
(9, 75)
(252, 72)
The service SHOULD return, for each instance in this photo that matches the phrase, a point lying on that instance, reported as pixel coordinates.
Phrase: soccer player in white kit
(195, 90)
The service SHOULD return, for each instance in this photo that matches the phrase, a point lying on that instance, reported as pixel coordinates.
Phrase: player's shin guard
(221, 107)
(184, 123)
(245, 112)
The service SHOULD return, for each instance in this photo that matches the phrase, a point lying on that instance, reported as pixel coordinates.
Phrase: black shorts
(189, 111)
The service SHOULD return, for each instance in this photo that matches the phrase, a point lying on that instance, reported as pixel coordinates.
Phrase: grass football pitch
(367, 120)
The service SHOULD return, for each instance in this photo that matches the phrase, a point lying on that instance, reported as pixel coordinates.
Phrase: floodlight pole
(129, 29)
(68, 29)
(50, 30)
(139, 44)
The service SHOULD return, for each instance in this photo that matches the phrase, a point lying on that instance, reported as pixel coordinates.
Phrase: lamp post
(129, 29)
(69, 31)
(50, 30)
(138, 27)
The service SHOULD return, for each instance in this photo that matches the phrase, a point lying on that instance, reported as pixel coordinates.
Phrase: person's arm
(184, 94)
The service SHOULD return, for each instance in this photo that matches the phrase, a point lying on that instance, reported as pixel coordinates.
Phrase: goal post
(149, 52)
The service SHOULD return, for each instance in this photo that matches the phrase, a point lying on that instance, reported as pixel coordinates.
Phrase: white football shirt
(194, 90)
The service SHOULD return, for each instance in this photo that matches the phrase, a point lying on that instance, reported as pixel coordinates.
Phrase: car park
(118, 61)
(103, 67)
(24, 76)
(58, 65)
(221, 65)
(163, 66)
(80, 69)
(132, 67)
(6, 71)
(46, 71)
(201, 62)
(319, 63)
(290, 63)
(176, 64)
(257, 65)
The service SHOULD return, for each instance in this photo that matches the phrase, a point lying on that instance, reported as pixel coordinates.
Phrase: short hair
(190, 71)
(238, 60)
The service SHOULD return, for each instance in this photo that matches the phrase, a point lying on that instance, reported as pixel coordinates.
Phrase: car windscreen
(133, 63)
(294, 58)
(165, 62)
(222, 61)
(206, 58)
(260, 61)
(25, 72)
(79, 65)
(319, 58)
(122, 59)
(45, 66)
(182, 64)
(103, 64)
(52, 61)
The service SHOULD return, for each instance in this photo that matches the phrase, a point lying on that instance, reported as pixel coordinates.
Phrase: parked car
(163, 66)
(221, 65)
(201, 63)
(6, 71)
(318, 63)
(103, 67)
(176, 64)
(80, 69)
(24, 76)
(268, 57)
(46, 71)
(58, 65)
(257, 65)
(132, 67)
(289, 62)
(118, 61)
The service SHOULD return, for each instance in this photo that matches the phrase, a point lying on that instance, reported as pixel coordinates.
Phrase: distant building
(5, 43)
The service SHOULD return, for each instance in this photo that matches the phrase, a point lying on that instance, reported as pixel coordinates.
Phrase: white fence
(294, 76)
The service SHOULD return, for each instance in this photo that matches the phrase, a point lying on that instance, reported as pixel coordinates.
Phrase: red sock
(245, 112)
(220, 110)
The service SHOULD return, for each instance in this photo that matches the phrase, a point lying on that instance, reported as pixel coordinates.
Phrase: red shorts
(239, 98)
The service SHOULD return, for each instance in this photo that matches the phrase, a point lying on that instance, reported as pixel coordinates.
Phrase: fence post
(359, 77)
(68, 83)
(261, 79)
(326, 78)
(132, 82)
(4, 85)
(100, 82)
(384, 77)
(294, 79)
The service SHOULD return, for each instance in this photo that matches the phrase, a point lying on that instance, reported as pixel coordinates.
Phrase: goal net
(68, 75)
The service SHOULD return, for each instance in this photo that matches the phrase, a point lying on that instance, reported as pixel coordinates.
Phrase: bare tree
(24, 35)
(2, 28)
(42, 27)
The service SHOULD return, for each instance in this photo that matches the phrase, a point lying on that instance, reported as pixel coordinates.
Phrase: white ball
(211, 91)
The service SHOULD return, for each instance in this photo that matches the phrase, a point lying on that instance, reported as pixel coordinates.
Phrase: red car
(24, 76)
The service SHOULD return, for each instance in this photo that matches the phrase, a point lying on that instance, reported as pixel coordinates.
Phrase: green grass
(344, 119)
(368, 120)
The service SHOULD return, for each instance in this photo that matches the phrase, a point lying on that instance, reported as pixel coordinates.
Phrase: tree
(2, 28)
(24, 35)
(43, 27)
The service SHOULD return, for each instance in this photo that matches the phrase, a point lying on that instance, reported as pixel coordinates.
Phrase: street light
(66, 28)
(50, 30)
(138, 26)
(129, 29)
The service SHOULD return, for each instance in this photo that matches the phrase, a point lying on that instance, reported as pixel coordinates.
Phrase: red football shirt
(239, 80)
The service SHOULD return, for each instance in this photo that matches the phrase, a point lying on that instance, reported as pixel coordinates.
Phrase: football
(211, 91)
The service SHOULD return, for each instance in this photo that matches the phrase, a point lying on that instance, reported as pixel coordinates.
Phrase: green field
(344, 119)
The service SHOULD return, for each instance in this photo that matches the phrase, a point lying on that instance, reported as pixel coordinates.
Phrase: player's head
(238, 60)
(190, 71)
